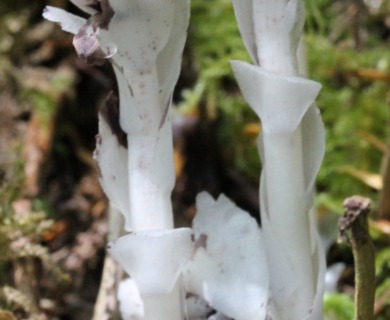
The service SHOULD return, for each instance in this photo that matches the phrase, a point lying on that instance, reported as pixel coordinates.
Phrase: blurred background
(53, 213)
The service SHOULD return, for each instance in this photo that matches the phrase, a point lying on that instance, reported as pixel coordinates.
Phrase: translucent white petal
(313, 140)
(169, 59)
(149, 55)
(283, 273)
(112, 161)
(141, 29)
(271, 38)
(279, 113)
(243, 10)
(294, 14)
(228, 268)
(154, 259)
(69, 22)
(130, 120)
(130, 302)
(319, 262)
(278, 28)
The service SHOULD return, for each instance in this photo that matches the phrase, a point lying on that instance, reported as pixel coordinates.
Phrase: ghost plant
(226, 262)
(291, 147)
(144, 40)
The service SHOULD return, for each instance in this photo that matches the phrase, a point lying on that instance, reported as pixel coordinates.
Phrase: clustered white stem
(226, 262)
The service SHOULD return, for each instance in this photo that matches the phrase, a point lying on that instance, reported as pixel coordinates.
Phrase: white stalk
(271, 31)
(150, 185)
(283, 156)
(287, 209)
(145, 40)
(151, 173)
(156, 305)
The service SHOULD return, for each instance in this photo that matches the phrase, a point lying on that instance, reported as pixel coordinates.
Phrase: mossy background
(48, 95)
(354, 106)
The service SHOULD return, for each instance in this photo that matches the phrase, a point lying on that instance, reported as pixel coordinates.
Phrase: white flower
(228, 268)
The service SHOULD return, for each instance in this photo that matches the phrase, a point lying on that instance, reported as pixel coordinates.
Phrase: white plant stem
(150, 182)
(287, 209)
(291, 152)
(283, 160)
(151, 172)
(151, 179)
(150, 154)
(155, 259)
(144, 40)
(171, 305)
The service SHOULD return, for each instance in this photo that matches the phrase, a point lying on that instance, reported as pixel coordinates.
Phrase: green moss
(351, 104)
(12, 188)
(214, 40)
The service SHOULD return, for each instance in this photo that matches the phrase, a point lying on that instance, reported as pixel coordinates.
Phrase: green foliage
(215, 40)
(215, 37)
(346, 53)
(382, 289)
(27, 88)
(382, 297)
(315, 20)
(354, 71)
(351, 106)
(12, 299)
(20, 237)
(21, 234)
(338, 306)
(382, 268)
(11, 189)
(46, 92)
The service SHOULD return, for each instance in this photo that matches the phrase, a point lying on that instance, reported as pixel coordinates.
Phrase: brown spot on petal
(86, 41)
(88, 47)
(165, 112)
